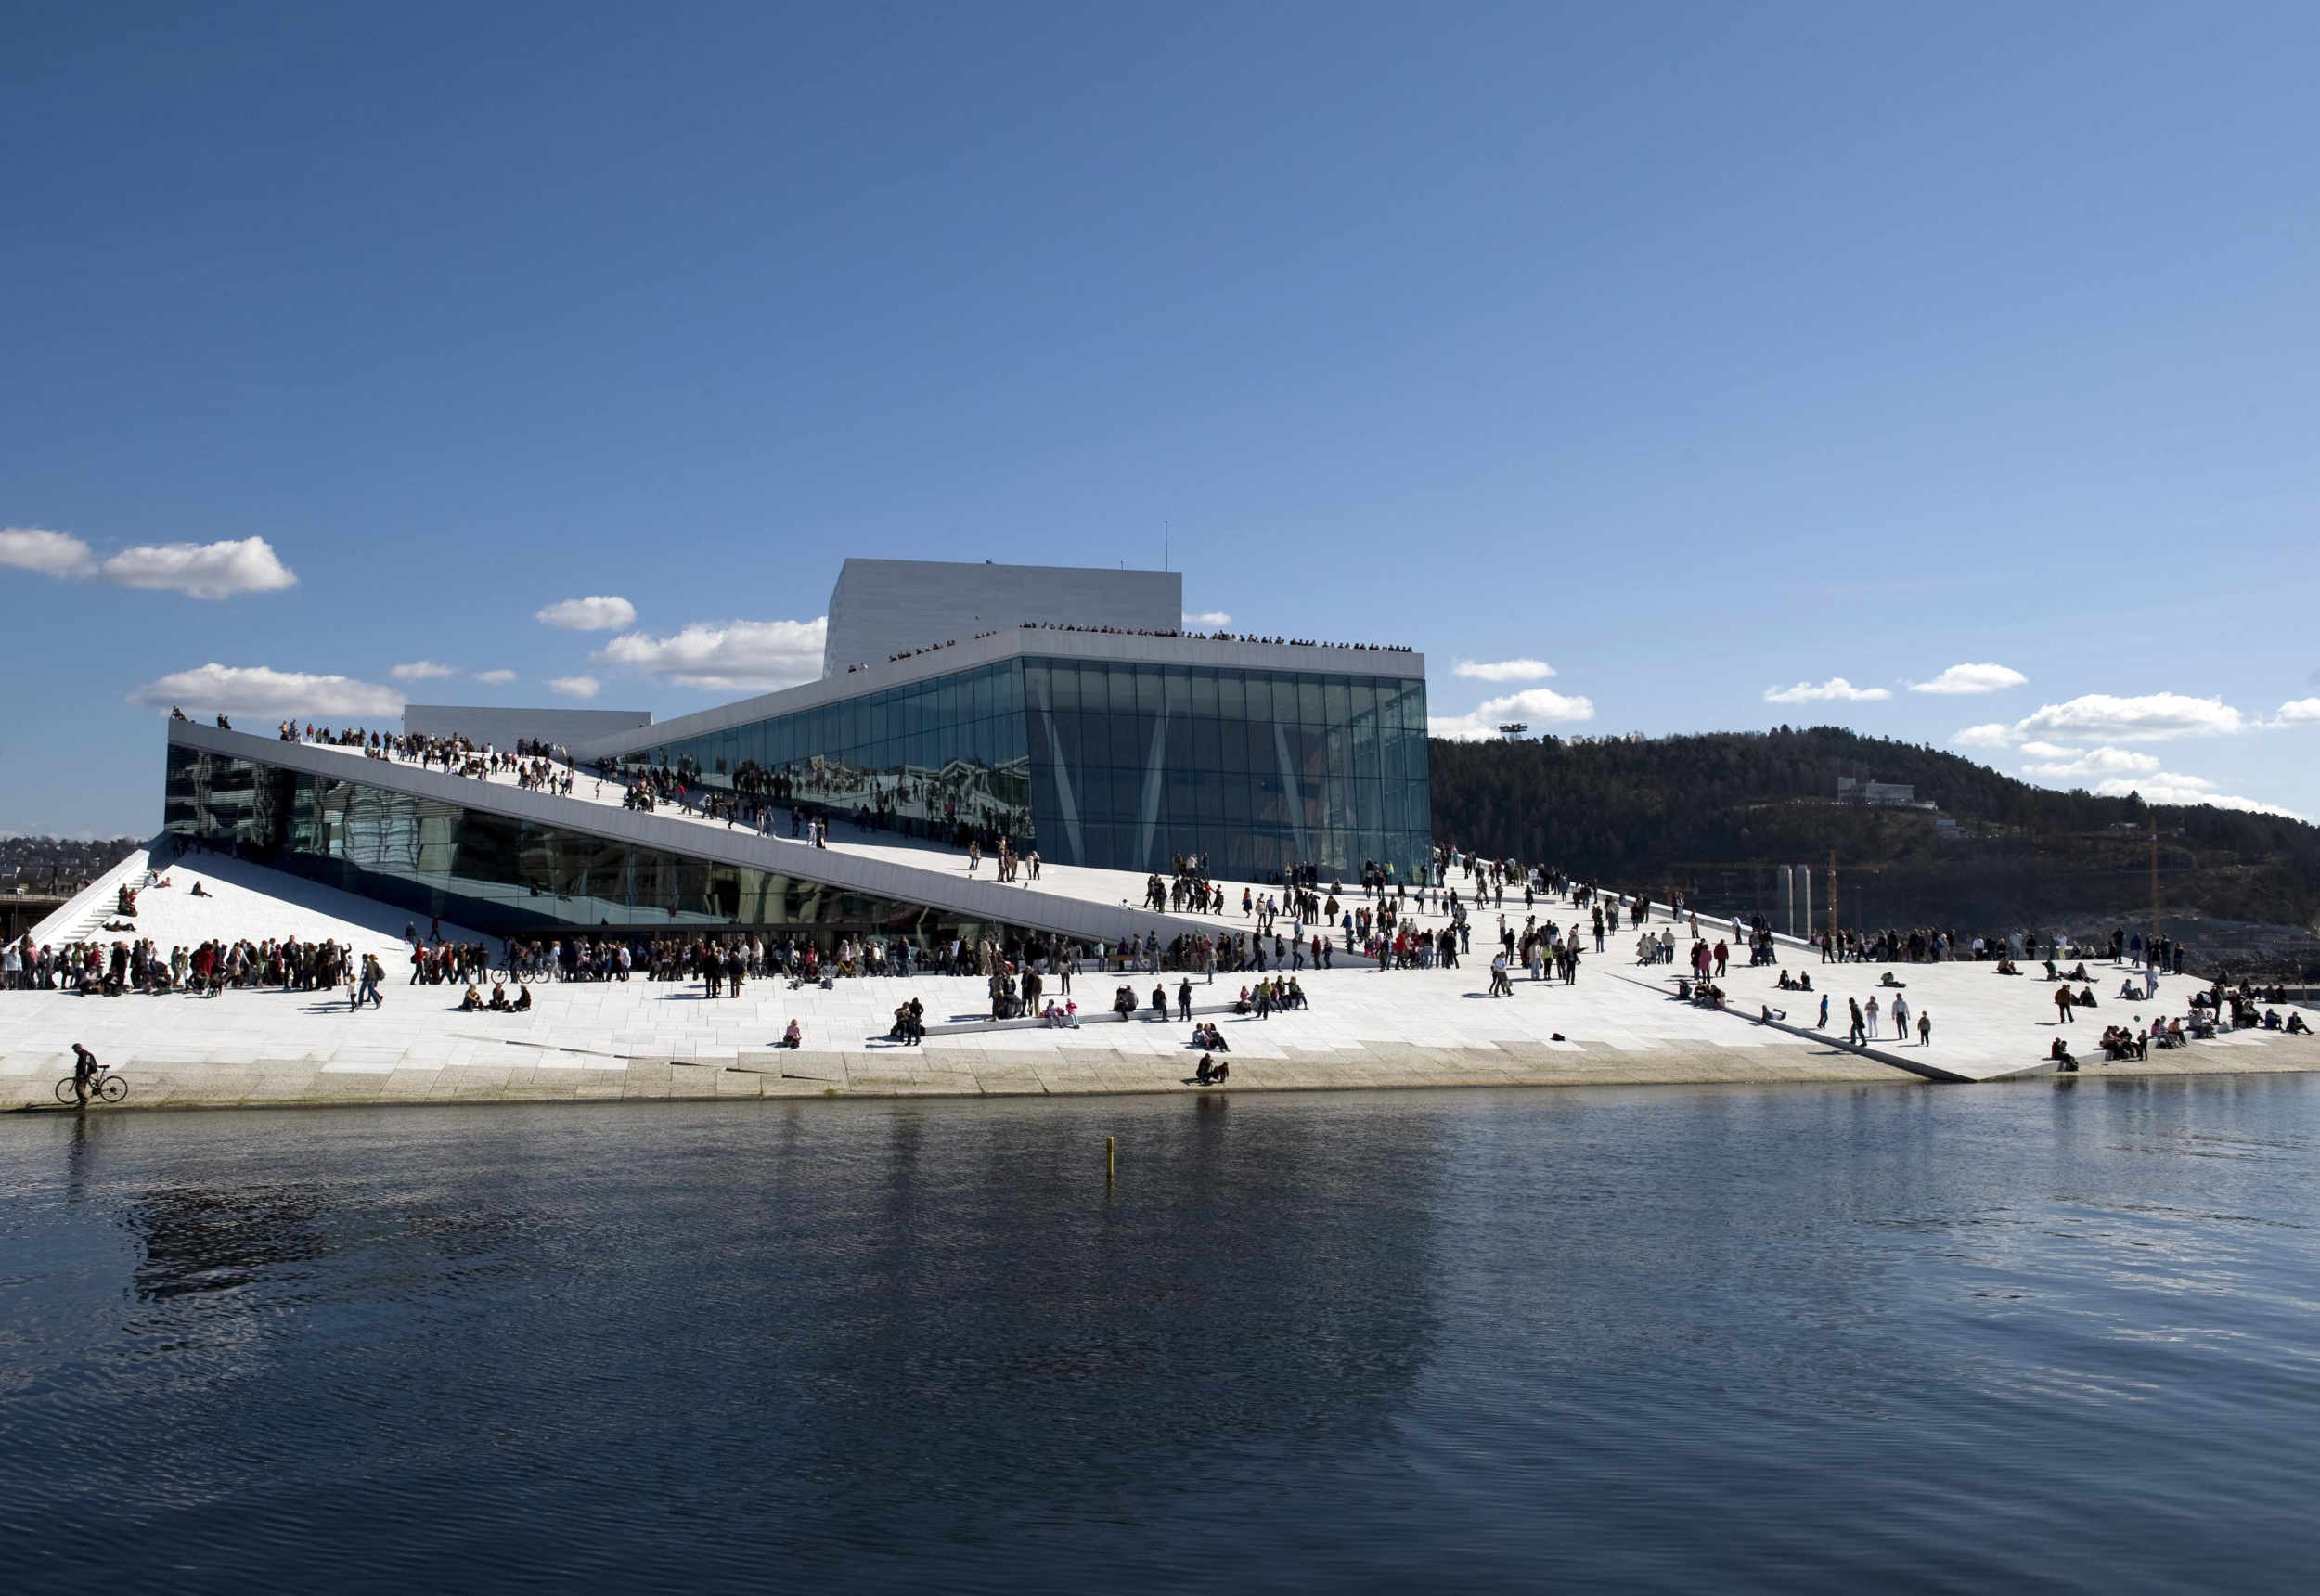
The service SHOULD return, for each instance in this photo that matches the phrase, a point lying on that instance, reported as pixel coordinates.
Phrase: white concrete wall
(881, 607)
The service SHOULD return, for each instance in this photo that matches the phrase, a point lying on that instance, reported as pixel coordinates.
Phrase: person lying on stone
(1887, 980)
(2296, 1026)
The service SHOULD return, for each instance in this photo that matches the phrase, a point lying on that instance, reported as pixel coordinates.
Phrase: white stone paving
(1985, 1025)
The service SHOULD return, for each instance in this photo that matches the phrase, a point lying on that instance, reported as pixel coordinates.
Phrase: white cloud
(1536, 706)
(200, 570)
(1835, 688)
(1993, 734)
(727, 656)
(259, 689)
(599, 612)
(421, 671)
(495, 677)
(2069, 764)
(1210, 618)
(2301, 712)
(574, 687)
(1504, 670)
(1971, 679)
(2040, 749)
(2173, 787)
(49, 553)
(2153, 718)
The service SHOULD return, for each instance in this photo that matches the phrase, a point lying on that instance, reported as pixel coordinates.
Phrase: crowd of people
(1210, 637)
(535, 766)
(1219, 636)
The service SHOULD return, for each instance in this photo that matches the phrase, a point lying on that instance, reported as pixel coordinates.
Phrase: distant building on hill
(1877, 794)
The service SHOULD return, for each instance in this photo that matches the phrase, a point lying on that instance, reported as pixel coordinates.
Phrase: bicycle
(103, 1084)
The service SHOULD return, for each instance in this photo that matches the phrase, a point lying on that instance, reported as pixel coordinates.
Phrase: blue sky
(1691, 352)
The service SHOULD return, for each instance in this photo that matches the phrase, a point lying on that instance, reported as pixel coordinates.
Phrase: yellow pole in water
(1111, 1159)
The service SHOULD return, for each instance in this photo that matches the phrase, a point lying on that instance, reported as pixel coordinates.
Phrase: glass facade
(505, 876)
(1111, 763)
(923, 758)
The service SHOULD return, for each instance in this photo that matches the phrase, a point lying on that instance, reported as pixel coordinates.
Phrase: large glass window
(926, 760)
(508, 877)
(1258, 769)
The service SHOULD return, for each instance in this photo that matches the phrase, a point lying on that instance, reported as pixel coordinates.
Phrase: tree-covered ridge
(1647, 811)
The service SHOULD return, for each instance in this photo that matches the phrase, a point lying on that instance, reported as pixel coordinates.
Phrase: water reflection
(1605, 1338)
(197, 1240)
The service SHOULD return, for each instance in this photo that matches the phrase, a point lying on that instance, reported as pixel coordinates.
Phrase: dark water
(2052, 1337)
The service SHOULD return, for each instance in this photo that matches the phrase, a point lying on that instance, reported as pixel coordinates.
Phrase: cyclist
(85, 1069)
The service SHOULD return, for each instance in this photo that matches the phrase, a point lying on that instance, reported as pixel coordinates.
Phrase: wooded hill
(1714, 812)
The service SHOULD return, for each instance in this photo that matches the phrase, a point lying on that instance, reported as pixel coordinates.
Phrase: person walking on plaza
(368, 992)
(1184, 998)
(1854, 1034)
(84, 1069)
(2063, 1002)
(1900, 1019)
(1924, 1030)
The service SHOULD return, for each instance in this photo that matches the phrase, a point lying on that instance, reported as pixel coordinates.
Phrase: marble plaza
(639, 1039)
